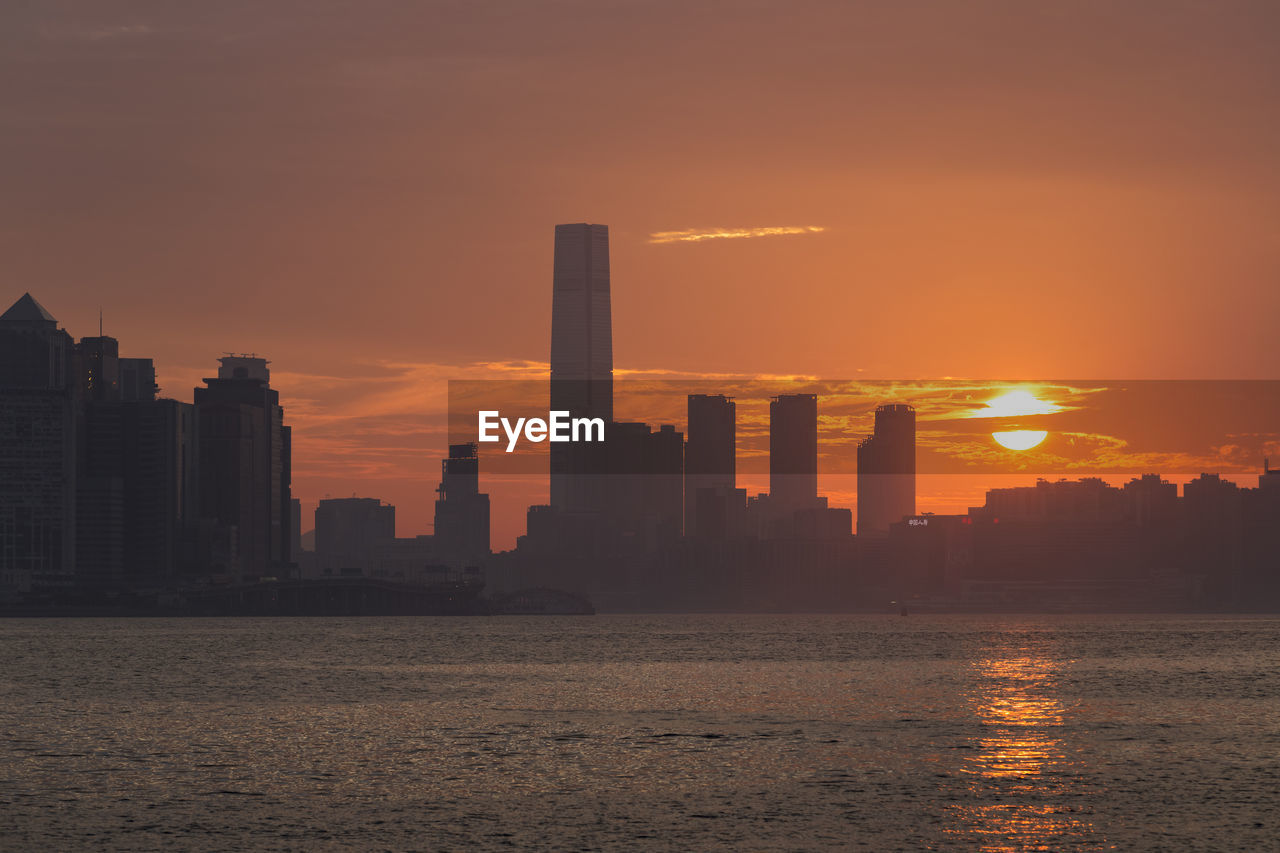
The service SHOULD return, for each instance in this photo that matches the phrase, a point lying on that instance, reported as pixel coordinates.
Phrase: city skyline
(941, 487)
(989, 201)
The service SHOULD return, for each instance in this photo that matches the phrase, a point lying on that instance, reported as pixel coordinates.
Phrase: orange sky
(365, 192)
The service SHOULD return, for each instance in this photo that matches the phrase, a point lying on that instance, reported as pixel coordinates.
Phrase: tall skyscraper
(793, 453)
(99, 484)
(710, 461)
(136, 470)
(887, 470)
(37, 448)
(244, 460)
(100, 464)
(581, 358)
(160, 484)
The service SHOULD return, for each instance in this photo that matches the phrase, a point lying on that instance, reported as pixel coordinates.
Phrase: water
(666, 732)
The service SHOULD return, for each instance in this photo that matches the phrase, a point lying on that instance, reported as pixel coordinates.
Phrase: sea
(664, 732)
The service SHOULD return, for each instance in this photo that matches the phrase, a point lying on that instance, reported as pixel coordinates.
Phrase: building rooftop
(27, 312)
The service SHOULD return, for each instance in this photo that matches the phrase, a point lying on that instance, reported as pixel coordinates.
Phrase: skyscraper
(136, 471)
(581, 358)
(37, 447)
(887, 470)
(244, 460)
(793, 452)
(160, 484)
(710, 462)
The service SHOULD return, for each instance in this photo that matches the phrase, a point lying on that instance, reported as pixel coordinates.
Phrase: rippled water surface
(671, 732)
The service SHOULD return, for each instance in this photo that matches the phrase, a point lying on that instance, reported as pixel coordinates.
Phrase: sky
(365, 193)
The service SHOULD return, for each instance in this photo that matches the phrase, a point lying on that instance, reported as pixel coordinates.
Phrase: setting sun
(1016, 404)
(1020, 439)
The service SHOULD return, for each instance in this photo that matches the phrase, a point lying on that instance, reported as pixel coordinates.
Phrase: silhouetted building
(581, 359)
(244, 458)
(34, 352)
(930, 554)
(349, 532)
(793, 453)
(645, 488)
(104, 376)
(887, 470)
(100, 485)
(710, 459)
(37, 447)
(136, 491)
(137, 379)
(136, 472)
(1151, 500)
(98, 360)
(1212, 540)
(160, 485)
(410, 558)
(721, 512)
(1079, 544)
(295, 529)
(1269, 479)
(664, 468)
(462, 510)
(1260, 541)
(1087, 499)
(820, 522)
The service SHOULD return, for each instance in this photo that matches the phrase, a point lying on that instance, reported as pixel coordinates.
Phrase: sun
(1016, 404)
(1020, 439)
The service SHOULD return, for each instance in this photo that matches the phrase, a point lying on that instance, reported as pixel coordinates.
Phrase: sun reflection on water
(1020, 718)
(1020, 777)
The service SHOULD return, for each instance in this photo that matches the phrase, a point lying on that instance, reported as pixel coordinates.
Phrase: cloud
(697, 235)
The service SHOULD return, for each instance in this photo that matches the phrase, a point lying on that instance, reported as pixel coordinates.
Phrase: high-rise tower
(887, 470)
(710, 460)
(37, 448)
(581, 357)
(244, 460)
(793, 452)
